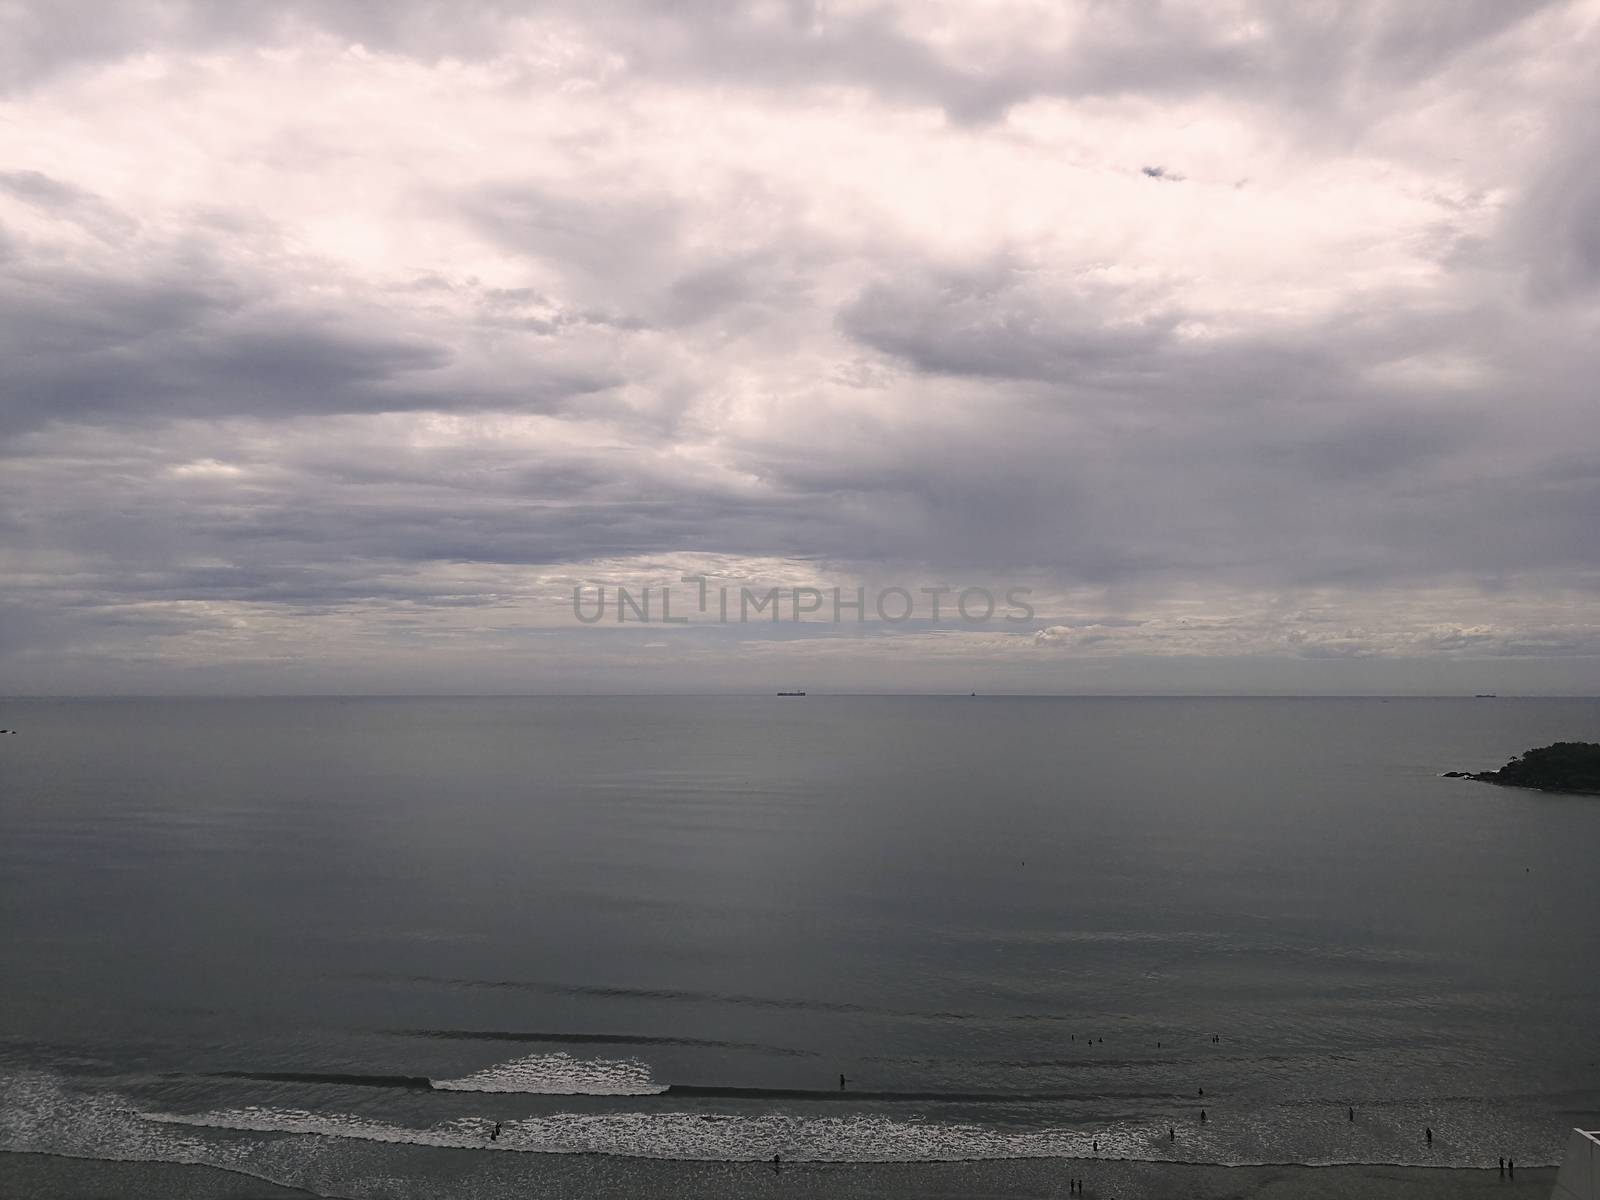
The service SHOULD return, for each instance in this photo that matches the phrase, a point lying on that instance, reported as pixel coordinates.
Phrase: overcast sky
(339, 340)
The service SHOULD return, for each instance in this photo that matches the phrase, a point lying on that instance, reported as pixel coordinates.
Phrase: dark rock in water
(1562, 767)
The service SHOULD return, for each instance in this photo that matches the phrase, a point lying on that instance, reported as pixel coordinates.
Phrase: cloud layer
(342, 339)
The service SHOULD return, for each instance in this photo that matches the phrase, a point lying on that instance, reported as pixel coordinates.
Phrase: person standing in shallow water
(841, 1082)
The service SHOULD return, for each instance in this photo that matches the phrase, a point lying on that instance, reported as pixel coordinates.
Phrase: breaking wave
(560, 1074)
(690, 1136)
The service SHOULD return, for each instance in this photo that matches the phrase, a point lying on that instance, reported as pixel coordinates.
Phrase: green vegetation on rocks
(1562, 767)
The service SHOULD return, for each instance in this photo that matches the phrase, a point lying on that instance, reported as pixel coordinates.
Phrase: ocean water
(312, 938)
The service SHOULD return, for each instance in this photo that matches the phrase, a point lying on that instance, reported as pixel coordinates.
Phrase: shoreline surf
(59, 1177)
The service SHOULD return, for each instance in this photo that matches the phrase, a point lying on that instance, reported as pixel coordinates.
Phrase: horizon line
(748, 694)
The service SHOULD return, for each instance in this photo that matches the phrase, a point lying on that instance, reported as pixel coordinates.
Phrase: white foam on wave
(857, 1138)
(693, 1136)
(41, 1114)
(559, 1074)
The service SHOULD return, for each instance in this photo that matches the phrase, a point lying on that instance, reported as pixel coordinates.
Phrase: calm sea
(296, 936)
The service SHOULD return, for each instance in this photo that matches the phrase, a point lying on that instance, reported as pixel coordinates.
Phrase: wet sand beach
(47, 1177)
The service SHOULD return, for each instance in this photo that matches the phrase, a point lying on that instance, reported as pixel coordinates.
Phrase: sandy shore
(48, 1177)
(44, 1177)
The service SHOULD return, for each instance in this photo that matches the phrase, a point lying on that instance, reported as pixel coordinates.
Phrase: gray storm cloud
(342, 338)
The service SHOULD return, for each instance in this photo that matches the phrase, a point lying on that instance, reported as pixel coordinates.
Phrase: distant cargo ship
(791, 693)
